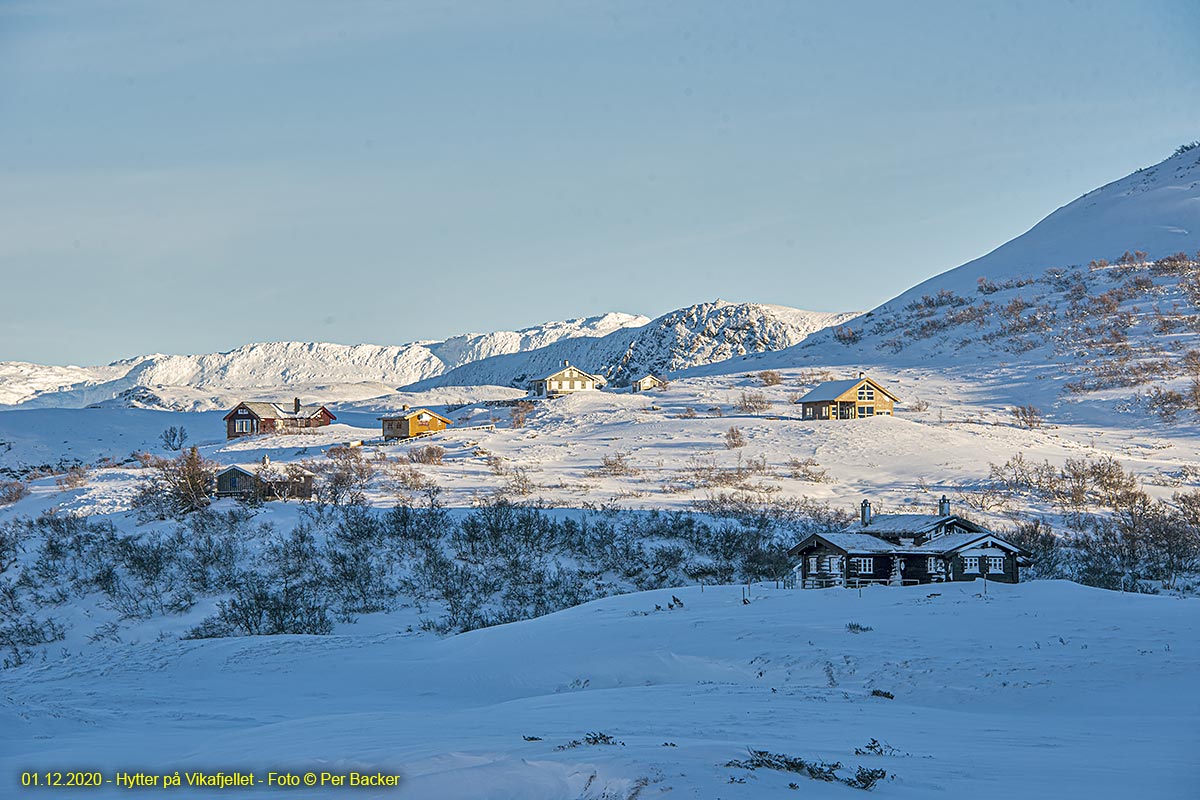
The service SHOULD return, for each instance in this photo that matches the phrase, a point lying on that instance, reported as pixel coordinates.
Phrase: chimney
(944, 506)
(296, 404)
(404, 407)
(266, 460)
(566, 363)
(861, 375)
(865, 513)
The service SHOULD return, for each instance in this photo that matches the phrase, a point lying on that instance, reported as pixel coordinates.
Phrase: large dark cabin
(905, 549)
(250, 419)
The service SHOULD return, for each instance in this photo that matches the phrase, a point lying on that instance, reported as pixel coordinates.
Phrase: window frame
(970, 565)
(857, 562)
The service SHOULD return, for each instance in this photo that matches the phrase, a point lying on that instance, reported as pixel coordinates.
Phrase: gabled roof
(649, 376)
(847, 542)
(252, 470)
(281, 411)
(832, 390)
(567, 368)
(910, 524)
(413, 413)
(866, 544)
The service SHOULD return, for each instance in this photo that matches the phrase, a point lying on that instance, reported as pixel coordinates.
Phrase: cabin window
(931, 565)
(831, 564)
(423, 417)
(812, 565)
(863, 566)
(995, 563)
(233, 481)
(574, 384)
(241, 426)
(866, 411)
(970, 563)
(866, 393)
(242, 412)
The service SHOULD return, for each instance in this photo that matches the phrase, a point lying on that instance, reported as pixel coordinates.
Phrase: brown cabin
(856, 398)
(417, 422)
(906, 549)
(249, 419)
(649, 382)
(567, 380)
(265, 482)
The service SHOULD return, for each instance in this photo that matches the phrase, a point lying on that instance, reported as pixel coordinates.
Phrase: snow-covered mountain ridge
(705, 333)
(267, 366)
(615, 344)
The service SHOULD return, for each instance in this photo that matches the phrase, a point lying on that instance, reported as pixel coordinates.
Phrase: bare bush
(616, 465)
(846, 335)
(74, 478)
(1027, 416)
(716, 411)
(687, 413)
(174, 438)
(410, 479)
(177, 486)
(520, 413)
(918, 405)
(808, 469)
(734, 438)
(769, 377)
(12, 491)
(429, 454)
(752, 403)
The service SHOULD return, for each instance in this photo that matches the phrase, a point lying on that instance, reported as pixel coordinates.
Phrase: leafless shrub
(1166, 403)
(173, 438)
(496, 464)
(429, 454)
(808, 469)
(74, 478)
(844, 334)
(769, 377)
(519, 483)
(410, 479)
(1027, 416)
(176, 486)
(616, 465)
(687, 413)
(734, 438)
(716, 411)
(520, 412)
(918, 405)
(12, 491)
(752, 403)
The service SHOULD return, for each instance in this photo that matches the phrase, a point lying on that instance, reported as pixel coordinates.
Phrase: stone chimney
(865, 512)
(296, 405)
(944, 506)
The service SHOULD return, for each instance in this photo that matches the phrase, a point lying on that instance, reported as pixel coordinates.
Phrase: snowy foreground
(1045, 689)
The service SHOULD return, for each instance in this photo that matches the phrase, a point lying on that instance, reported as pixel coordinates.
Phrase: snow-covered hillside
(705, 333)
(187, 382)
(1043, 690)
(1095, 311)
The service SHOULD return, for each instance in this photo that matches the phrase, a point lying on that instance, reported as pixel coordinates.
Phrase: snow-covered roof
(280, 411)
(854, 542)
(832, 390)
(253, 469)
(568, 368)
(414, 413)
(915, 524)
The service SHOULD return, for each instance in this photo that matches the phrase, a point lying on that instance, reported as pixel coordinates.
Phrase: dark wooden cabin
(906, 549)
(265, 481)
(249, 419)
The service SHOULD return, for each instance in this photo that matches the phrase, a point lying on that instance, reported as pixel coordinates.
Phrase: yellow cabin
(414, 422)
(856, 398)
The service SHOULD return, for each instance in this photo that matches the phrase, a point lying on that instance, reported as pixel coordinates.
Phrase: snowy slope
(1043, 690)
(278, 365)
(1155, 210)
(701, 334)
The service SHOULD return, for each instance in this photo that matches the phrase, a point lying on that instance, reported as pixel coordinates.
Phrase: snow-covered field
(1039, 690)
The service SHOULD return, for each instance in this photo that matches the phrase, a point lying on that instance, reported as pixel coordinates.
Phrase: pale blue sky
(188, 177)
